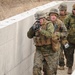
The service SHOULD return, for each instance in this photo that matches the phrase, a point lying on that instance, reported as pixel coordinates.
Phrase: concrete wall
(16, 50)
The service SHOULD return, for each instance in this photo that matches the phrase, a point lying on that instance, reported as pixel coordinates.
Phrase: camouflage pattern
(62, 26)
(40, 38)
(44, 52)
(63, 17)
(61, 57)
(45, 55)
(70, 24)
(50, 58)
(69, 53)
(62, 6)
(53, 10)
(39, 14)
(56, 41)
(58, 25)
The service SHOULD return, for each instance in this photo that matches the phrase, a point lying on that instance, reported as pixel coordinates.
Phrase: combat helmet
(73, 6)
(53, 10)
(39, 14)
(62, 6)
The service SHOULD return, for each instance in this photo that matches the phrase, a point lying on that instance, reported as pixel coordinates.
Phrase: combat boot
(69, 70)
(61, 68)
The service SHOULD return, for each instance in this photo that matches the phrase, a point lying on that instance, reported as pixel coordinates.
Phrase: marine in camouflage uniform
(62, 14)
(42, 32)
(58, 27)
(69, 53)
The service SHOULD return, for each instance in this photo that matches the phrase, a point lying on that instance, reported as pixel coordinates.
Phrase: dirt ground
(10, 9)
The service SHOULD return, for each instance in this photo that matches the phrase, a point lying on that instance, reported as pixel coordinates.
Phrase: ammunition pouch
(55, 42)
(40, 41)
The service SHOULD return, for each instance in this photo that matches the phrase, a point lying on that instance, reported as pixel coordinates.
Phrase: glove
(36, 26)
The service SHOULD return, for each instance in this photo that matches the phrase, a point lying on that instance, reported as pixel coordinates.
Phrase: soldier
(69, 53)
(42, 32)
(62, 14)
(58, 27)
(62, 11)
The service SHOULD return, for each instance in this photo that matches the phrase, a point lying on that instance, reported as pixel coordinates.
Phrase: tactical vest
(41, 40)
(71, 29)
(57, 25)
(56, 36)
(63, 17)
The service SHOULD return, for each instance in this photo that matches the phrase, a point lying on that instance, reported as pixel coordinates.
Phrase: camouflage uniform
(44, 51)
(58, 25)
(62, 7)
(69, 53)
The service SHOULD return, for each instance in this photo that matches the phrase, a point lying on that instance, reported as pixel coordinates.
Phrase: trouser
(61, 57)
(49, 70)
(69, 54)
(45, 56)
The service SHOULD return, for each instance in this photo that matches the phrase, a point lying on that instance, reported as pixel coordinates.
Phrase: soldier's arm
(31, 33)
(49, 31)
(66, 21)
(64, 31)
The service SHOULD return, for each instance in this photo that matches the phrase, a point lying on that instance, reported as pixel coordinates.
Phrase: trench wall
(16, 49)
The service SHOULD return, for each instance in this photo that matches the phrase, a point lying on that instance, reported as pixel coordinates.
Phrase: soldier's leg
(45, 67)
(69, 54)
(47, 70)
(61, 60)
(52, 63)
(38, 64)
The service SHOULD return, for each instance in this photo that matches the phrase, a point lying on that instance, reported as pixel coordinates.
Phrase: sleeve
(49, 31)
(64, 30)
(31, 33)
(66, 21)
